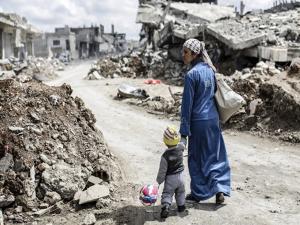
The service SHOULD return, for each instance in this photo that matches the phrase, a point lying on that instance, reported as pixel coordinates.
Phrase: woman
(207, 159)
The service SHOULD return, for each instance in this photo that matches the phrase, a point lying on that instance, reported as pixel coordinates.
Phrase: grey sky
(46, 15)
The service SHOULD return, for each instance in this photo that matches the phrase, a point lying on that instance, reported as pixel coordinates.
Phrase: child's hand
(183, 141)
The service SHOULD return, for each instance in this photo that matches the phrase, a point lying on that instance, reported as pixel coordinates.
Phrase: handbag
(228, 102)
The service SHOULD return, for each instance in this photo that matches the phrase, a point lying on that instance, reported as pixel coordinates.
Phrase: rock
(246, 71)
(95, 180)
(35, 117)
(6, 162)
(103, 203)
(52, 197)
(1, 218)
(258, 70)
(37, 131)
(16, 130)
(93, 193)
(42, 166)
(6, 200)
(19, 209)
(45, 159)
(253, 105)
(43, 205)
(90, 219)
(54, 99)
(294, 69)
(65, 179)
(262, 64)
(77, 195)
(273, 71)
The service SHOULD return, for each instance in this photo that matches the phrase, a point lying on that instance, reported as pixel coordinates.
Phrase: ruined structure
(229, 36)
(81, 42)
(16, 36)
(61, 42)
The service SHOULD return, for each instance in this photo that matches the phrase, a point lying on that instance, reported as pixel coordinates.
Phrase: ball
(149, 194)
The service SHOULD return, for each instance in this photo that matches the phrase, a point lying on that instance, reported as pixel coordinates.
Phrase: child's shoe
(164, 211)
(181, 208)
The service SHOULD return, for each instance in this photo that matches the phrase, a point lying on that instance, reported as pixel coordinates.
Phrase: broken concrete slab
(6, 162)
(65, 179)
(149, 14)
(233, 34)
(1, 217)
(94, 180)
(93, 193)
(16, 129)
(6, 200)
(187, 31)
(201, 13)
(90, 219)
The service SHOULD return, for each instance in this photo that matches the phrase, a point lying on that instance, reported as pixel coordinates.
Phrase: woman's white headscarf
(198, 47)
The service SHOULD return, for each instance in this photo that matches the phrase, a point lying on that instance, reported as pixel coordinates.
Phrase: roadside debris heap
(147, 64)
(33, 68)
(273, 101)
(49, 149)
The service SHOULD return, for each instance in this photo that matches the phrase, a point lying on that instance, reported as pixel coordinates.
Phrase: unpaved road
(265, 173)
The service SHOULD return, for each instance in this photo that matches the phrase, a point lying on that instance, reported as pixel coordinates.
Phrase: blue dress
(207, 158)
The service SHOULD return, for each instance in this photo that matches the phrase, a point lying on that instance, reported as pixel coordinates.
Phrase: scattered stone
(6, 163)
(16, 129)
(93, 193)
(90, 219)
(95, 180)
(54, 99)
(1, 218)
(103, 203)
(6, 200)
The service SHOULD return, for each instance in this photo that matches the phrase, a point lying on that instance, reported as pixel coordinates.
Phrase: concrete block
(93, 193)
(275, 54)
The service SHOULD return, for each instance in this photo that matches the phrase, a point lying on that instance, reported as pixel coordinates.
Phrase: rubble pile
(273, 102)
(49, 150)
(33, 68)
(150, 64)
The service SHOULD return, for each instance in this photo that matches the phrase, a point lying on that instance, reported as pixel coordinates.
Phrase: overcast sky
(46, 15)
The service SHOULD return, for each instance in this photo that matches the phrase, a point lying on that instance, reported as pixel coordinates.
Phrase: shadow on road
(138, 215)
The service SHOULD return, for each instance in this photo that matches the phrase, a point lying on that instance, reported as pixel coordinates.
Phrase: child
(171, 172)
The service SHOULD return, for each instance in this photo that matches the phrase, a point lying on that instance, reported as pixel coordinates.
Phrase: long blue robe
(207, 158)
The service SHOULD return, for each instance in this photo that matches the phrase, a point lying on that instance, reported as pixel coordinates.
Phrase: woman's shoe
(220, 198)
(191, 198)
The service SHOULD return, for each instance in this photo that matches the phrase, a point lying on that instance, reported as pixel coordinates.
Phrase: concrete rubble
(49, 150)
(148, 64)
(33, 68)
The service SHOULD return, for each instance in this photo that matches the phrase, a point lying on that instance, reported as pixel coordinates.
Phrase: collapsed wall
(49, 145)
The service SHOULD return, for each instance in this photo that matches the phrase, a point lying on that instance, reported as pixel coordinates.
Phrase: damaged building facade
(16, 36)
(240, 38)
(79, 42)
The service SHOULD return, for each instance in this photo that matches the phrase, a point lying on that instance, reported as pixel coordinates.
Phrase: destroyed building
(57, 44)
(244, 39)
(88, 40)
(16, 36)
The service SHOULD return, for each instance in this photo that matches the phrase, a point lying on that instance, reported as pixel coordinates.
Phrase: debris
(128, 91)
(95, 180)
(93, 193)
(6, 200)
(90, 219)
(49, 146)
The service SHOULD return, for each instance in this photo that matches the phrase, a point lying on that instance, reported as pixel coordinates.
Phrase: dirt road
(265, 174)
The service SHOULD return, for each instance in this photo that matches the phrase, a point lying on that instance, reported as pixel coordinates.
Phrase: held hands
(183, 141)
